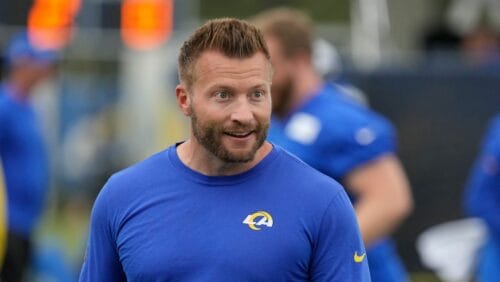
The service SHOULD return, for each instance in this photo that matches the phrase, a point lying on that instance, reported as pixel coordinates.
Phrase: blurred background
(431, 66)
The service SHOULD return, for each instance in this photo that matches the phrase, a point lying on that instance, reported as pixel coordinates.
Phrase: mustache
(240, 127)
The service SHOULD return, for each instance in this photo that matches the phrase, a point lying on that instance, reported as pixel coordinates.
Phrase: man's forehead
(214, 61)
(210, 55)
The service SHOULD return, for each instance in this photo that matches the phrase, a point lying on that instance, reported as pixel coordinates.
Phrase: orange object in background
(146, 24)
(50, 22)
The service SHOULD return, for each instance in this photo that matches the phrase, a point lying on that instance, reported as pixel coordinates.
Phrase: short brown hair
(232, 37)
(291, 27)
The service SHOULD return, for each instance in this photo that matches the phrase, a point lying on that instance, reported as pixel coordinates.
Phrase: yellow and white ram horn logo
(359, 258)
(257, 219)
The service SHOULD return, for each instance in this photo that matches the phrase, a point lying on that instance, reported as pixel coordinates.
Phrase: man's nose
(242, 111)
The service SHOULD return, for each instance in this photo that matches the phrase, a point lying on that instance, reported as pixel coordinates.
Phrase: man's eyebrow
(233, 88)
(259, 86)
(216, 86)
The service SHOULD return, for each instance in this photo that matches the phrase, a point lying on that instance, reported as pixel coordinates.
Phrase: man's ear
(183, 99)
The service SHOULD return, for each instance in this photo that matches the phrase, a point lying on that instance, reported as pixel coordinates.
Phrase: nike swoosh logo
(359, 258)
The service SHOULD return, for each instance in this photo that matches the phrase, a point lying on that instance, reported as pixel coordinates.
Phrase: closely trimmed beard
(209, 135)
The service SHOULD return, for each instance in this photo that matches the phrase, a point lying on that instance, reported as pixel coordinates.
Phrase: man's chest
(225, 241)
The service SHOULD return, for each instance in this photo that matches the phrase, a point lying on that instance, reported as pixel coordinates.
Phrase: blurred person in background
(23, 151)
(482, 199)
(337, 136)
(225, 205)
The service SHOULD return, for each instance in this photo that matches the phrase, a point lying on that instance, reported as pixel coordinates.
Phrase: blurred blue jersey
(280, 221)
(334, 134)
(483, 199)
(24, 161)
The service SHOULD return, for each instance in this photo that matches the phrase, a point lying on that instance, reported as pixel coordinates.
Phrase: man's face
(282, 83)
(230, 105)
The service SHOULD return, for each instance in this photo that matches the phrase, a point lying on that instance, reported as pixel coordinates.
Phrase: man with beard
(337, 136)
(225, 205)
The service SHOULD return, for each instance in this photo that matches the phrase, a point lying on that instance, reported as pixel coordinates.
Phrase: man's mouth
(239, 134)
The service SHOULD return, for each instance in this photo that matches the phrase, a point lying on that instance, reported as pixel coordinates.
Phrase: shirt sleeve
(359, 141)
(101, 262)
(338, 252)
(483, 187)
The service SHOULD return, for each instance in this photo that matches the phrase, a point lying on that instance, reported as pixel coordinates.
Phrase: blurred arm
(482, 198)
(383, 194)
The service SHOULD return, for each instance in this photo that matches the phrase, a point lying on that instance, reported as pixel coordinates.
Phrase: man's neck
(197, 158)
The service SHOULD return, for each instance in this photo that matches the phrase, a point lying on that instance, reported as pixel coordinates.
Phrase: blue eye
(257, 94)
(222, 95)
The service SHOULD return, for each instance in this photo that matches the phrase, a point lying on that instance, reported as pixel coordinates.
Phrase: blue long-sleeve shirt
(24, 161)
